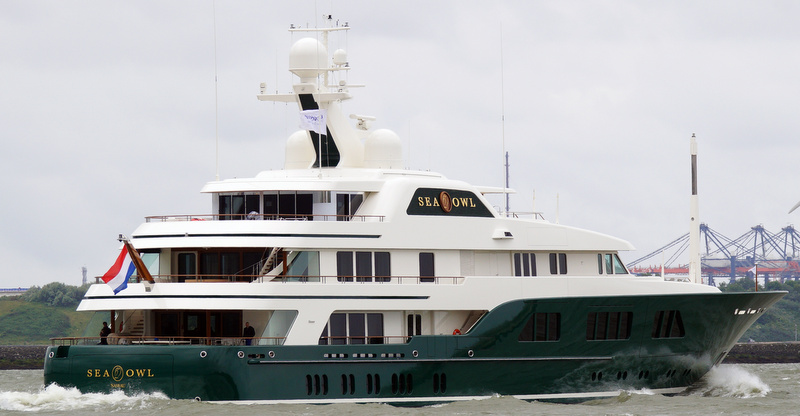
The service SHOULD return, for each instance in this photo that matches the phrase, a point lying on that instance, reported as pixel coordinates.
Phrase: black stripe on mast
(330, 153)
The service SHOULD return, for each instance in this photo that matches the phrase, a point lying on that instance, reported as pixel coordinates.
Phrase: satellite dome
(308, 58)
(383, 150)
(299, 151)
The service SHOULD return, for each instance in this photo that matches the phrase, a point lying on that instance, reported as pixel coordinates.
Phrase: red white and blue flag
(117, 276)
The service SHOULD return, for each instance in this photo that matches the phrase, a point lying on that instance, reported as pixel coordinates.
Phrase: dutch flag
(117, 276)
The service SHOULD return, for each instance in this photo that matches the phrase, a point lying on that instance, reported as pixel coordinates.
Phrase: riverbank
(764, 352)
(22, 357)
(31, 357)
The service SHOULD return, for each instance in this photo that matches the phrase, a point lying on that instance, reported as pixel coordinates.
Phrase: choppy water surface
(728, 390)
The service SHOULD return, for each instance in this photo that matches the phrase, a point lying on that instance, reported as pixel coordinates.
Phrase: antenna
(216, 100)
(507, 186)
(503, 115)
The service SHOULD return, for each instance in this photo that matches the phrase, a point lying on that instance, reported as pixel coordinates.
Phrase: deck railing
(264, 217)
(350, 280)
(115, 339)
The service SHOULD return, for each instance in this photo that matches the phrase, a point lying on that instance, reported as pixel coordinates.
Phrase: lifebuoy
(456, 331)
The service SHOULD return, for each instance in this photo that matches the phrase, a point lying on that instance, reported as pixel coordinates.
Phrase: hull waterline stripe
(251, 297)
(446, 399)
(282, 235)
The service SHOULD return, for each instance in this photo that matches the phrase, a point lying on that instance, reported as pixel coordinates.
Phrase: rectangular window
(347, 205)
(363, 266)
(414, 325)
(541, 327)
(270, 206)
(524, 264)
(608, 326)
(338, 328)
(599, 263)
(426, 267)
(364, 261)
(187, 266)
(344, 266)
(558, 263)
(232, 207)
(375, 328)
(383, 266)
(353, 328)
(358, 328)
(252, 206)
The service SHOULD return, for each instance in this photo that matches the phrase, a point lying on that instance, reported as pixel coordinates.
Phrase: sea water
(772, 389)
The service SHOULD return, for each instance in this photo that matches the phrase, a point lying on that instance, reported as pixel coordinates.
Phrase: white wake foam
(56, 398)
(734, 381)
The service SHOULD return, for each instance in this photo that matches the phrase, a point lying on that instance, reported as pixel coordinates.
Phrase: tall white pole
(695, 272)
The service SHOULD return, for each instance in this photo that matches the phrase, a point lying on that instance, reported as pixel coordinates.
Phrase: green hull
(490, 359)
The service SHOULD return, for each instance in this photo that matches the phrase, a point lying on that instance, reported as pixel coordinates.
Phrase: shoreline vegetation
(31, 357)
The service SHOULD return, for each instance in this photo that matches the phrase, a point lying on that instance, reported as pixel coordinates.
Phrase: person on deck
(104, 334)
(249, 332)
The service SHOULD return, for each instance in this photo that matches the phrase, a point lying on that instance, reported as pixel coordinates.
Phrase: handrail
(115, 339)
(248, 278)
(263, 217)
(121, 339)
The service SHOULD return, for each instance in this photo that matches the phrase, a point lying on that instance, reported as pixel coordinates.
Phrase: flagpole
(137, 261)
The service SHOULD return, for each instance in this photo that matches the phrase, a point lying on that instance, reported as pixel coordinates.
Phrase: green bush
(56, 294)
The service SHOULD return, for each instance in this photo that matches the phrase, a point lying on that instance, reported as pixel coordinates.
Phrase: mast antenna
(216, 100)
(503, 117)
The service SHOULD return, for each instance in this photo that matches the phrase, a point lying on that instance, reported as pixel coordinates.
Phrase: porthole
(240, 354)
(203, 354)
(51, 355)
(271, 354)
(415, 353)
(470, 353)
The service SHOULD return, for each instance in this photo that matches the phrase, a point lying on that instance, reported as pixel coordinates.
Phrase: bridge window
(524, 264)
(558, 263)
(612, 262)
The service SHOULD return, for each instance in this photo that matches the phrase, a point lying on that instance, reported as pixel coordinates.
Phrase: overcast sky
(107, 110)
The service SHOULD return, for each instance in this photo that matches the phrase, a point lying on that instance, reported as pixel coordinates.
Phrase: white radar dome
(308, 58)
(339, 57)
(300, 152)
(383, 150)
